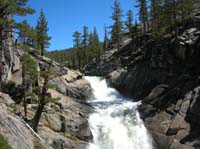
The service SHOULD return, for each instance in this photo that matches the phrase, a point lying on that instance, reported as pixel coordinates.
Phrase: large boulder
(73, 84)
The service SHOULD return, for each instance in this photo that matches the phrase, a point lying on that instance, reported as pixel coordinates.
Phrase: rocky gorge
(164, 74)
(160, 73)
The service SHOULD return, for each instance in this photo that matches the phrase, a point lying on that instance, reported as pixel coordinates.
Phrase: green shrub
(4, 143)
(38, 145)
(9, 86)
(13, 106)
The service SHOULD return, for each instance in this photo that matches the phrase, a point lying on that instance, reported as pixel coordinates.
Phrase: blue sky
(66, 16)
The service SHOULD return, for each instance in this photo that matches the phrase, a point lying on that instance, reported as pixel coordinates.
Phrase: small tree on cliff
(42, 33)
(29, 78)
(46, 74)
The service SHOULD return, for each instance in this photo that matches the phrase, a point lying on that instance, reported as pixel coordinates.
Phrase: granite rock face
(64, 124)
(73, 84)
(12, 127)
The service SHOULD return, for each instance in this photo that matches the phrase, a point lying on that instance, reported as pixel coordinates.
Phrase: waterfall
(116, 124)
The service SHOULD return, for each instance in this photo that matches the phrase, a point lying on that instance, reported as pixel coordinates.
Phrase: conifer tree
(29, 78)
(155, 14)
(46, 74)
(129, 21)
(77, 45)
(85, 37)
(105, 43)
(143, 14)
(85, 42)
(32, 37)
(97, 44)
(91, 48)
(42, 33)
(24, 31)
(117, 26)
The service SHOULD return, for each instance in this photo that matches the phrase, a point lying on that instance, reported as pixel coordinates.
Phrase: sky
(67, 16)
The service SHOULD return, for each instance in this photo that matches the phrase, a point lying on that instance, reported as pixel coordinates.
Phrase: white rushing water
(116, 123)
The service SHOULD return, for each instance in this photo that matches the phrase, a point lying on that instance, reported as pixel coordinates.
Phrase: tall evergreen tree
(129, 21)
(155, 13)
(85, 37)
(91, 48)
(42, 33)
(77, 45)
(97, 44)
(7, 23)
(143, 13)
(105, 42)
(85, 43)
(29, 78)
(117, 26)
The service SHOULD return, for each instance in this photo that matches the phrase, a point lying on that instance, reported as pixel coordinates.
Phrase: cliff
(164, 73)
(64, 122)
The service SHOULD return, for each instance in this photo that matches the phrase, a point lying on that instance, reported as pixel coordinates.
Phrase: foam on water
(116, 124)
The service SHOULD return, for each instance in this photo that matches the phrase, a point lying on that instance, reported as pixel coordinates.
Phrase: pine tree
(185, 7)
(24, 31)
(129, 21)
(117, 26)
(42, 33)
(29, 78)
(77, 45)
(134, 30)
(97, 44)
(143, 14)
(85, 42)
(7, 23)
(85, 37)
(155, 14)
(91, 48)
(32, 37)
(168, 17)
(105, 43)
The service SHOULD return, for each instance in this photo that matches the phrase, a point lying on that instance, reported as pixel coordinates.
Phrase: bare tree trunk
(1, 59)
(79, 58)
(42, 50)
(37, 117)
(24, 89)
